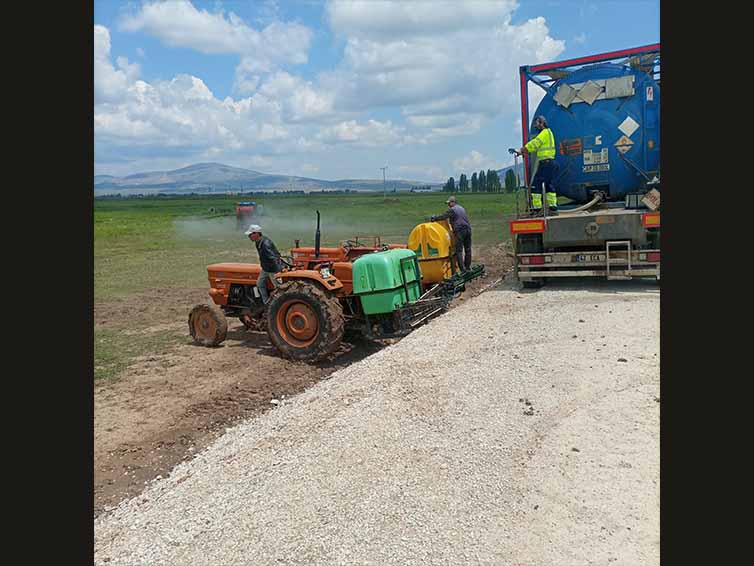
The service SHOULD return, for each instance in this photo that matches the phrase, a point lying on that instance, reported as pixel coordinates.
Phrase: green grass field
(151, 243)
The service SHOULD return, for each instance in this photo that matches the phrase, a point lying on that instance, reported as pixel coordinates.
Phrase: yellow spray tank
(433, 244)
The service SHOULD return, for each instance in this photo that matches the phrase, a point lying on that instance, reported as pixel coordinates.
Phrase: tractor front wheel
(207, 325)
(304, 322)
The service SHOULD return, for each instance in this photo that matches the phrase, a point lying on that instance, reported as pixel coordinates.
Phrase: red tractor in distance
(244, 213)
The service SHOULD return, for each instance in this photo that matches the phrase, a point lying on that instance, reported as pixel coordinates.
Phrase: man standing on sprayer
(269, 258)
(459, 221)
(547, 169)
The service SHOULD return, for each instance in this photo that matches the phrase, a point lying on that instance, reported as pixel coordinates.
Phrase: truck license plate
(590, 257)
(596, 168)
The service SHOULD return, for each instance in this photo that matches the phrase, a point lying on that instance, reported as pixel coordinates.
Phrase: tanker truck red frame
(605, 239)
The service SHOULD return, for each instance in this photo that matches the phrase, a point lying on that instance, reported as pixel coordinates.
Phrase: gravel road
(520, 428)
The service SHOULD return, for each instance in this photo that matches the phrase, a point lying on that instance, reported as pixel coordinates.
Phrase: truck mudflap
(611, 263)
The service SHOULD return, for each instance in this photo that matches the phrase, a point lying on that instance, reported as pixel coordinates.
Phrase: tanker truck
(604, 111)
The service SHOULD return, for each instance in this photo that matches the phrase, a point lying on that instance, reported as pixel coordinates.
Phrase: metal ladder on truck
(612, 261)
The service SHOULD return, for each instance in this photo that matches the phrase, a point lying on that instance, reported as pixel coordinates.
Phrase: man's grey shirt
(459, 220)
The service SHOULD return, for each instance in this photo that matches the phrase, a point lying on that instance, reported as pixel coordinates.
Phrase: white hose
(597, 198)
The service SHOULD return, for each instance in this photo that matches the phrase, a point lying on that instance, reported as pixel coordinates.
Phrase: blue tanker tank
(606, 121)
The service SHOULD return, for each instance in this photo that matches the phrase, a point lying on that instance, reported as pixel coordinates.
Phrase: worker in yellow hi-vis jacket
(547, 169)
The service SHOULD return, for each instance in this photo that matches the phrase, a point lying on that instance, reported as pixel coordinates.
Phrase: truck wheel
(207, 325)
(304, 322)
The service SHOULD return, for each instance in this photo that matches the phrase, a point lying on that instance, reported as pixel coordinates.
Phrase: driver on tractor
(269, 259)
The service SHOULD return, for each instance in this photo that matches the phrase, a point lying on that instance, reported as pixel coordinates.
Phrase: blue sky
(333, 90)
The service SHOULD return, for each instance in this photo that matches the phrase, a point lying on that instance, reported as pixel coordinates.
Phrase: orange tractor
(375, 290)
(244, 212)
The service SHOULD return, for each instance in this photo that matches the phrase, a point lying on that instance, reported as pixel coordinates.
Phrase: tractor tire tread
(221, 331)
(334, 322)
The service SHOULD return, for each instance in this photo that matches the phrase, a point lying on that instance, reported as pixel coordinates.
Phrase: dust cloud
(283, 226)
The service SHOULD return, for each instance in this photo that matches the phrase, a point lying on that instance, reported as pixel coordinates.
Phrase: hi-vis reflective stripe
(527, 226)
(650, 219)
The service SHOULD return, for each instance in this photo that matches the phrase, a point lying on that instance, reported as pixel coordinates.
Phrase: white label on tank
(650, 93)
(597, 140)
(628, 126)
(595, 157)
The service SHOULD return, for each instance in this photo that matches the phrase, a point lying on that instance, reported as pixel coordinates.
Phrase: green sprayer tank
(386, 281)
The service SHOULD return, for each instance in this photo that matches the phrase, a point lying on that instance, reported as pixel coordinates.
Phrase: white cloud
(447, 125)
(109, 82)
(309, 168)
(448, 67)
(179, 113)
(143, 121)
(384, 19)
(424, 172)
(581, 38)
(517, 126)
(299, 99)
(179, 24)
(260, 162)
(536, 94)
(450, 59)
(475, 161)
(371, 133)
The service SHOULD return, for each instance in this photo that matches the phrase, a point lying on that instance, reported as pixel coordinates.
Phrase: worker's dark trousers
(463, 248)
(546, 173)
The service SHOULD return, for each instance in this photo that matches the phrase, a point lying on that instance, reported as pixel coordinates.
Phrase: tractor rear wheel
(304, 322)
(207, 325)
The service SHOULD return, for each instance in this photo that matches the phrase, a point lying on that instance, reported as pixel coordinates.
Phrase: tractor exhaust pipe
(316, 238)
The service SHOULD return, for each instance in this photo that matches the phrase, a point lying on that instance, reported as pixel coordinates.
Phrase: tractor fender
(332, 283)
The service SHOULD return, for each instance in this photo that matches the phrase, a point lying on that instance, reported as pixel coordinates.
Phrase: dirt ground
(165, 407)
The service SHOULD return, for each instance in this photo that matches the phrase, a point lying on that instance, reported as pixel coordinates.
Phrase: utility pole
(384, 186)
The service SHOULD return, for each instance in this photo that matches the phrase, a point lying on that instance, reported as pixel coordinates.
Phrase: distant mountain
(211, 177)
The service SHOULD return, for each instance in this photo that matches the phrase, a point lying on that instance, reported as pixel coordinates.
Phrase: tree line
(481, 183)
